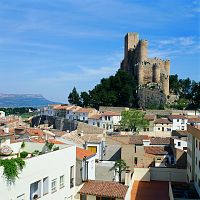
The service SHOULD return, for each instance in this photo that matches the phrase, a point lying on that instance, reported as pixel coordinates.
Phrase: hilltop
(23, 100)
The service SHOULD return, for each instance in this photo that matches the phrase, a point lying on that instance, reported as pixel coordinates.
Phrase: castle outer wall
(145, 70)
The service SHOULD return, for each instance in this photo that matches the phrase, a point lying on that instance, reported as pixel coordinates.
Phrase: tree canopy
(133, 120)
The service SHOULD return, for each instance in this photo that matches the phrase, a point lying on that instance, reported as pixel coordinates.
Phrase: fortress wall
(143, 50)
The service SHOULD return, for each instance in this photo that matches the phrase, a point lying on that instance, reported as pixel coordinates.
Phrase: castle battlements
(145, 70)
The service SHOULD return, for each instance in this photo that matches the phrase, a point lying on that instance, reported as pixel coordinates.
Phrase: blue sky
(49, 46)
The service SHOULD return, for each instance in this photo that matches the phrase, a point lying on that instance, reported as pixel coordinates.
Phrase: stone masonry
(145, 70)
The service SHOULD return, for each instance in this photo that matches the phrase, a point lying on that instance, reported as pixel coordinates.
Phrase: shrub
(23, 154)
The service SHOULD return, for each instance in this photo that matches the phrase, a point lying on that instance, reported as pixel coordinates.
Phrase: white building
(179, 122)
(95, 120)
(110, 120)
(82, 114)
(180, 143)
(49, 176)
(2, 114)
(162, 124)
(49, 110)
(85, 168)
(193, 157)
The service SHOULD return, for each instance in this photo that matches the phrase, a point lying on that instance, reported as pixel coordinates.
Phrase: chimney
(127, 177)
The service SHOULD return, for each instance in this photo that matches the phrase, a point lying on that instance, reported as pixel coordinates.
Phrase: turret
(131, 42)
(140, 73)
(143, 50)
(167, 66)
(156, 73)
(166, 79)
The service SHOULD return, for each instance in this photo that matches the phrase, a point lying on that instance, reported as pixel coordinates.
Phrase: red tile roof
(176, 117)
(194, 120)
(150, 117)
(83, 153)
(144, 190)
(96, 116)
(110, 113)
(155, 150)
(104, 188)
(136, 139)
(160, 141)
(85, 110)
(39, 140)
(163, 121)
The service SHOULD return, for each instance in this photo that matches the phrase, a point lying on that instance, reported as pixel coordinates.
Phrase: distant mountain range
(23, 100)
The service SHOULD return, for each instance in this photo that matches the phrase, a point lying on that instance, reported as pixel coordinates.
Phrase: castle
(145, 70)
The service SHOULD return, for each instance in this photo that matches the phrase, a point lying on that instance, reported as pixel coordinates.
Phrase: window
(71, 176)
(135, 149)
(98, 124)
(182, 128)
(158, 128)
(108, 118)
(35, 190)
(177, 120)
(196, 160)
(93, 149)
(53, 185)
(83, 197)
(196, 143)
(45, 185)
(62, 181)
(179, 144)
(195, 178)
(135, 160)
(105, 117)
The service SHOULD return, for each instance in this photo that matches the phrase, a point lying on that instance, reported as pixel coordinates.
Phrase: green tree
(182, 103)
(195, 99)
(74, 97)
(133, 120)
(119, 167)
(85, 99)
(174, 84)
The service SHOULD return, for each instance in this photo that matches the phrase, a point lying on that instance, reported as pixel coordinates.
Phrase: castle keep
(145, 70)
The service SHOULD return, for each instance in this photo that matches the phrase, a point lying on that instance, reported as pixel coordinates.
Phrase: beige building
(193, 157)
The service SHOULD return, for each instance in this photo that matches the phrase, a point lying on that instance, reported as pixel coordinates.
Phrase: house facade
(46, 177)
(179, 122)
(193, 157)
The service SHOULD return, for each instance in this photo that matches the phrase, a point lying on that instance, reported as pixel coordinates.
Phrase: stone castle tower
(145, 70)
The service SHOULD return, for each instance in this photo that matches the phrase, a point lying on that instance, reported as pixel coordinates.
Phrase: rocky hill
(23, 100)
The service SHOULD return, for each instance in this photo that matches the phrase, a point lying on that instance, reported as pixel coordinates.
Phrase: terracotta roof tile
(163, 121)
(96, 116)
(83, 153)
(176, 117)
(194, 120)
(104, 188)
(150, 190)
(155, 150)
(150, 117)
(136, 139)
(160, 141)
(110, 113)
(85, 110)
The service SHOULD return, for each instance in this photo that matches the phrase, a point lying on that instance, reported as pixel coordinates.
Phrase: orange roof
(144, 190)
(104, 188)
(85, 110)
(43, 141)
(110, 113)
(83, 153)
(96, 116)
(35, 131)
(176, 117)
